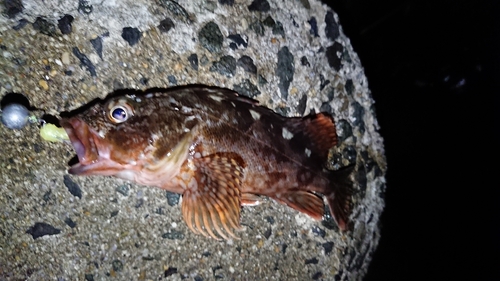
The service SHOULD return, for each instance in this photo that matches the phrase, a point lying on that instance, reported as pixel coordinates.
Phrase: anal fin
(211, 202)
(303, 201)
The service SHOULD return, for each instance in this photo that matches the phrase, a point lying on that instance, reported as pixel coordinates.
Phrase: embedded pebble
(268, 233)
(41, 229)
(20, 24)
(333, 55)
(323, 82)
(193, 61)
(165, 25)
(172, 198)
(176, 9)
(257, 27)
(173, 235)
(211, 37)
(123, 189)
(327, 247)
(349, 87)
(246, 88)
(332, 27)
(278, 29)
(269, 21)
(357, 114)
(44, 26)
(43, 84)
(172, 80)
(301, 108)
(225, 66)
(349, 153)
(260, 6)
(85, 61)
(304, 61)
(72, 186)
(270, 219)
(344, 130)
(246, 63)
(170, 271)
(13, 7)
(65, 58)
(70, 222)
(85, 7)
(317, 275)
(132, 35)
(285, 70)
(314, 27)
(318, 231)
(117, 265)
(97, 44)
(226, 2)
(312, 261)
(238, 41)
(64, 24)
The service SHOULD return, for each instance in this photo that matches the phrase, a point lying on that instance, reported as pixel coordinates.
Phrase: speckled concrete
(290, 55)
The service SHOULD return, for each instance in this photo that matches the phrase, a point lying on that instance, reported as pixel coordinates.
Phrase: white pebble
(65, 58)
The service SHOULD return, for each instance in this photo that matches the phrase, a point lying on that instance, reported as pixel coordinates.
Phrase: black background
(432, 69)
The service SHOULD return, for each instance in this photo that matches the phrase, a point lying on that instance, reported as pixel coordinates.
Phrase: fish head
(124, 134)
(108, 136)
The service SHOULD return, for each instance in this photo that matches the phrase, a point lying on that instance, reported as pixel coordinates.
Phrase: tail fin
(340, 198)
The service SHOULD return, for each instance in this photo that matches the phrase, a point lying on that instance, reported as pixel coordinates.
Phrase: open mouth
(86, 143)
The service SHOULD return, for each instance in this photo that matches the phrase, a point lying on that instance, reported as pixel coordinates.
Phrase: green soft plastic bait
(51, 132)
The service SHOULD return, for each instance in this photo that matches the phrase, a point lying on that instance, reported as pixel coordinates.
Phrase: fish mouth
(91, 149)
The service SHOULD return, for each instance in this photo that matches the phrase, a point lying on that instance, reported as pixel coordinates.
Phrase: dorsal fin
(317, 130)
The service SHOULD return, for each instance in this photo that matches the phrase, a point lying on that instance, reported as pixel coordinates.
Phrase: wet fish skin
(218, 149)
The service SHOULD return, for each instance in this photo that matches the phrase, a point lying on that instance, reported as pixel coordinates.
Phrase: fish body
(218, 149)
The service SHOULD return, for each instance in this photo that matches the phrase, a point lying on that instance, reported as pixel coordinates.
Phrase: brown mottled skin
(220, 150)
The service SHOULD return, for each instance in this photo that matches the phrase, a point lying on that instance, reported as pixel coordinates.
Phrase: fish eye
(120, 113)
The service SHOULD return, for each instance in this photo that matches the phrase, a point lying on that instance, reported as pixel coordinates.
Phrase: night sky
(432, 68)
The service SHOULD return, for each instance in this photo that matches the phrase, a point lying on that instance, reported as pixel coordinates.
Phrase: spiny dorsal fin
(317, 130)
(212, 198)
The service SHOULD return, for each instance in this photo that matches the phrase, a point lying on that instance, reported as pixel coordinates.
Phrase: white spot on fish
(308, 152)
(150, 95)
(185, 109)
(255, 114)
(287, 134)
(233, 104)
(215, 97)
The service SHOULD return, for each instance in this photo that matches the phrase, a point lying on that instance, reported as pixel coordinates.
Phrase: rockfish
(220, 150)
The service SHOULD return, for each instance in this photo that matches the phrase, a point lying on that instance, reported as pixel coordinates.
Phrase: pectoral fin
(211, 202)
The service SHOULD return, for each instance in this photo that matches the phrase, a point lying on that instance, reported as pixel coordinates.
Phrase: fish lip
(83, 140)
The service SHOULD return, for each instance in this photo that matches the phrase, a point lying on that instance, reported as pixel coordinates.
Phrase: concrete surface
(100, 228)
